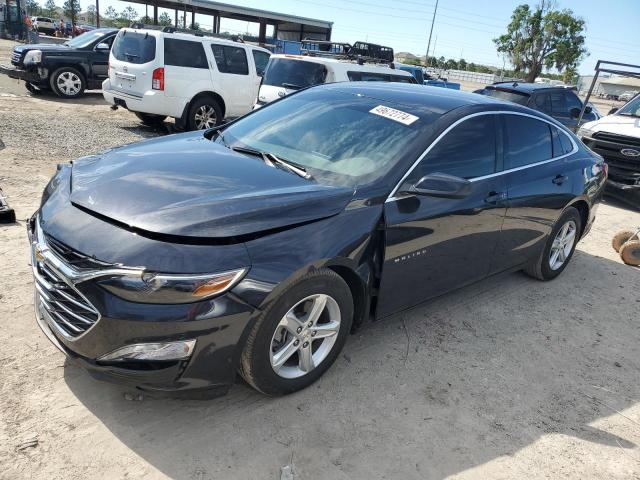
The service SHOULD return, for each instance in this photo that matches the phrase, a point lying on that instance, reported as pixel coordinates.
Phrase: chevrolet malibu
(171, 264)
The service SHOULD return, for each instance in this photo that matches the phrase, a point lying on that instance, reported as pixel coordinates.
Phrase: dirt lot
(510, 378)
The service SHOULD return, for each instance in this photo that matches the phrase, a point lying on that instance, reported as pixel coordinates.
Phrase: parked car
(258, 246)
(197, 80)
(67, 69)
(285, 74)
(626, 96)
(44, 25)
(561, 103)
(617, 138)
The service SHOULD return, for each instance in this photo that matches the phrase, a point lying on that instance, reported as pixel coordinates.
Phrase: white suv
(287, 73)
(197, 80)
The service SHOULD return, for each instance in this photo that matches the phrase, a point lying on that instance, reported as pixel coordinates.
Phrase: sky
(463, 28)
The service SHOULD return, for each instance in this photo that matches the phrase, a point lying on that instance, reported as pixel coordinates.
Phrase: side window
(567, 146)
(230, 59)
(260, 58)
(561, 142)
(572, 101)
(399, 79)
(526, 141)
(558, 103)
(467, 151)
(183, 53)
(542, 102)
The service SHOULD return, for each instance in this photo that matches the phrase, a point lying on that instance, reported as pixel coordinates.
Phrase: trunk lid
(132, 61)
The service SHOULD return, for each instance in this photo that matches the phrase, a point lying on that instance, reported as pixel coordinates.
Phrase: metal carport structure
(286, 27)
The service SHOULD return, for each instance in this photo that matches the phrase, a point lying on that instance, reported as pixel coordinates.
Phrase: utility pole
(98, 13)
(433, 20)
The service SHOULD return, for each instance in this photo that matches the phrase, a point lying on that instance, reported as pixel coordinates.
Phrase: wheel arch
(358, 292)
(584, 210)
(207, 93)
(81, 67)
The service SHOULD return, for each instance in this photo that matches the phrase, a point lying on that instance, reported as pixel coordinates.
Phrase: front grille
(71, 256)
(65, 305)
(15, 58)
(622, 140)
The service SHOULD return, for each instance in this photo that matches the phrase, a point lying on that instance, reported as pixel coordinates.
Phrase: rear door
(434, 245)
(133, 58)
(538, 176)
(234, 78)
(185, 64)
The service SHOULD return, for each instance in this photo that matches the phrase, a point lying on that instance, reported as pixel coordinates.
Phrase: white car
(44, 24)
(626, 96)
(197, 80)
(287, 73)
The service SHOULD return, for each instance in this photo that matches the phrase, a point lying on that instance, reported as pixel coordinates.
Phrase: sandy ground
(510, 378)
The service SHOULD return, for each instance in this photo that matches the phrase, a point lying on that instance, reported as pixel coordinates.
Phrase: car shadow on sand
(471, 377)
(90, 97)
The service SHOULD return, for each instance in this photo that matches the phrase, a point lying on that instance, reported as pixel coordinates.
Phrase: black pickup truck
(67, 69)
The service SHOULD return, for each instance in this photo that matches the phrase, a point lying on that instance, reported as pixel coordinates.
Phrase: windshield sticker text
(393, 114)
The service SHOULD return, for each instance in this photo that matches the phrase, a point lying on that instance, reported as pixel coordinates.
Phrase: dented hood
(189, 186)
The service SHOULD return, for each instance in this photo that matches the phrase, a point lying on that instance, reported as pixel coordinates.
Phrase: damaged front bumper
(33, 74)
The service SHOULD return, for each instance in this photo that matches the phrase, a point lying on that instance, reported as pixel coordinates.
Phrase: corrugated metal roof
(626, 81)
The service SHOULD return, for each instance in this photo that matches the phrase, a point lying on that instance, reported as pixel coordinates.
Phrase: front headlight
(583, 132)
(166, 288)
(32, 57)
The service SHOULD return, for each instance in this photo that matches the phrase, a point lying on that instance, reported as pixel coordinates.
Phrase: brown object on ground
(630, 253)
(620, 238)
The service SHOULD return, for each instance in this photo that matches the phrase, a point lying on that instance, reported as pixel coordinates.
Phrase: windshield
(509, 95)
(85, 39)
(292, 73)
(134, 47)
(333, 135)
(632, 108)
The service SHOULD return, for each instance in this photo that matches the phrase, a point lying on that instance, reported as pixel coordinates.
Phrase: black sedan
(67, 69)
(174, 263)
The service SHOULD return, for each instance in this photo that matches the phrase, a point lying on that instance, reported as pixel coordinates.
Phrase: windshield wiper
(292, 86)
(271, 160)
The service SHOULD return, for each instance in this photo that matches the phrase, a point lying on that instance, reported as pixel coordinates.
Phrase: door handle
(560, 179)
(495, 197)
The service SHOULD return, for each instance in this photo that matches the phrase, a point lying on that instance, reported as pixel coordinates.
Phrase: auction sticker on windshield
(393, 114)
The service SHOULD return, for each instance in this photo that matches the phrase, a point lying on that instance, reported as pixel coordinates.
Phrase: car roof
(421, 97)
(527, 87)
(192, 37)
(343, 65)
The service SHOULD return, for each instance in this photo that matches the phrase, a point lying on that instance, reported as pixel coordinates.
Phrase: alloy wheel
(562, 245)
(69, 83)
(305, 336)
(205, 117)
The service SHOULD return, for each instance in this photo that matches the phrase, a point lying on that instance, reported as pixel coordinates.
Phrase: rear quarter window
(230, 59)
(183, 53)
(134, 47)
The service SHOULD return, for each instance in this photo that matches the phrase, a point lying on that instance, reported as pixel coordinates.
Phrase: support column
(193, 16)
(184, 17)
(301, 32)
(155, 14)
(98, 13)
(176, 19)
(262, 35)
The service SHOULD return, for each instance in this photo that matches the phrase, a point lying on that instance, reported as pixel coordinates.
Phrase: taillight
(157, 82)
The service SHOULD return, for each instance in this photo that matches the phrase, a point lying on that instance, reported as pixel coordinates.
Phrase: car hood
(618, 124)
(187, 185)
(45, 47)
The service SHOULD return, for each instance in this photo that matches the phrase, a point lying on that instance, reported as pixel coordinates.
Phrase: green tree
(146, 20)
(451, 64)
(128, 15)
(165, 19)
(194, 26)
(32, 6)
(71, 9)
(543, 37)
(49, 8)
(91, 14)
(462, 64)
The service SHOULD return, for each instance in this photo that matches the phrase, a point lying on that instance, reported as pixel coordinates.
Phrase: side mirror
(612, 111)
(103, 47)
(440, 185)
(575, 112)
(588, 109)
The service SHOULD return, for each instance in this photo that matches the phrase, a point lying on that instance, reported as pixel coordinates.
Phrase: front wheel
(68, 82)
(299, 335)
(559, 248)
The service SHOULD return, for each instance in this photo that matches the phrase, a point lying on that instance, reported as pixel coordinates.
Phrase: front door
(100, 60)
(434, 245)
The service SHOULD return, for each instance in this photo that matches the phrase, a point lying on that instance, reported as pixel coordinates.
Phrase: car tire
(67, 82)
(150, 119)
(558, 250)
(204, 112)
(282, 354)
(630, 253)
(621, 238)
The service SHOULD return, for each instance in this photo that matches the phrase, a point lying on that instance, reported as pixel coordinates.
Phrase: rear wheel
(559, 248)
(68, 82)
(630, 253)
(204, 113)
(150, 119)
(299, 335)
